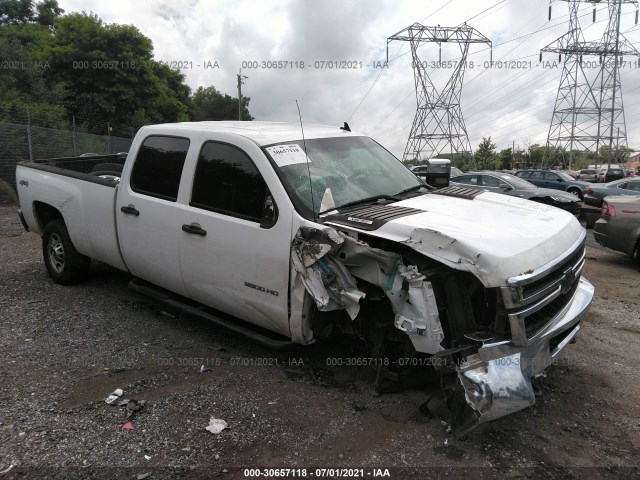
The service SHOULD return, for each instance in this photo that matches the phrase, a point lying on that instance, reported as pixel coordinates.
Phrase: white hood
(493, 236)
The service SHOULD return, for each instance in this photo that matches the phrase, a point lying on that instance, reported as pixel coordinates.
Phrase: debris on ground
(216, 425)
(115, 395)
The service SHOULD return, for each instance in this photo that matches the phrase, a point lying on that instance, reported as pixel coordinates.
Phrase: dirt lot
(66, 348)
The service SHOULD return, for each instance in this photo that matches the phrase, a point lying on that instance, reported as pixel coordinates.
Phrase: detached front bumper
(497, 380)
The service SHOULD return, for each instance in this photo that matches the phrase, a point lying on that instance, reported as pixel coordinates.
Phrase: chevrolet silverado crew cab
(290, 236)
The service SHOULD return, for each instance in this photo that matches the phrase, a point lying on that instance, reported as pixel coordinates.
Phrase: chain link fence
(29, 142)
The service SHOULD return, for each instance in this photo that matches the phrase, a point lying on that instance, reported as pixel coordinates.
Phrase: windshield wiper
(412, 189)
(363, 201)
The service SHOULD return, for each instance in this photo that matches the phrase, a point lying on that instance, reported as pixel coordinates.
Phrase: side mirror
(505, 187)
(269, 213)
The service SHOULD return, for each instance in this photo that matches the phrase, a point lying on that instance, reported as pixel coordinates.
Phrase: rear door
(147, 211)
(232, 257)
(536, 178)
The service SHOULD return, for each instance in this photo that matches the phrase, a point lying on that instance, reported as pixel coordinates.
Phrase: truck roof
(263, 133)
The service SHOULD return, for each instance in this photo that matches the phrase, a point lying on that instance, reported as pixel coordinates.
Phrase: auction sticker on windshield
(285, 155)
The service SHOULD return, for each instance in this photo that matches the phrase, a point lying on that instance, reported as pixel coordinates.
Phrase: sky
(511, 100)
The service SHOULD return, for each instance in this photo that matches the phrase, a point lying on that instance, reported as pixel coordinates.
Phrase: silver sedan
(619, 225)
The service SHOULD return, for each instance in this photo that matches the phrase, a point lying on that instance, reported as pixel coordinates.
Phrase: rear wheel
(64, 264)
(636, 254)
(576, 192)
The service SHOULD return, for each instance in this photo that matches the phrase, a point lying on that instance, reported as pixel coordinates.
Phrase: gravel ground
(66, 349)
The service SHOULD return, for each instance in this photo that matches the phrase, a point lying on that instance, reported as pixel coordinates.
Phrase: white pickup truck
(290, 236)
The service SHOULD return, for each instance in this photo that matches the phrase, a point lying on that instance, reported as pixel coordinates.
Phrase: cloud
(508, 104)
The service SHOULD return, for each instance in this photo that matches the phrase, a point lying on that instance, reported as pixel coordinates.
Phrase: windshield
(566, 176)
(343, 170)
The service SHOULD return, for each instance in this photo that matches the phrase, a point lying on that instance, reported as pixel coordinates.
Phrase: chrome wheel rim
(55, 249)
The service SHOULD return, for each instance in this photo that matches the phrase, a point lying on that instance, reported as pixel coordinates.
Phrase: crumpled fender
(328, 264)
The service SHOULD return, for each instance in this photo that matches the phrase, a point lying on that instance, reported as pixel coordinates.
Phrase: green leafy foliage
(76, 65)
(485, 155)
(209, 104)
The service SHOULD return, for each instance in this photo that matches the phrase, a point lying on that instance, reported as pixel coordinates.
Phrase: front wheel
(64, 264)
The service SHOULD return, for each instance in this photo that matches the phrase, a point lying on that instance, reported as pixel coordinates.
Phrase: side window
(635, 186)
(489, 181)
(227, 181)
(468, 179)
(551, 177)
(158, 166)
(536, 176)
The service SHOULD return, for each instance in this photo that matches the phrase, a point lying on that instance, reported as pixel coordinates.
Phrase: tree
(210, 104)
(48, 11)
(111, 76)
(25, 87)
(14, 12)
(485, 154)
(505, 158)
(534, 155)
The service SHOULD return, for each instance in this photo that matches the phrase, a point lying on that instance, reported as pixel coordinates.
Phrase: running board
(160, 295)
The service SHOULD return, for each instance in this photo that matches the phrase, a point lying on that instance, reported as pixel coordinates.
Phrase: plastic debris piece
(117, 393)
(142, 476)
(127, 426)
(216, 425)
(204, 369)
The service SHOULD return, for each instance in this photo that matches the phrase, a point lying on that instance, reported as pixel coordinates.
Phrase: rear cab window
(158, 166)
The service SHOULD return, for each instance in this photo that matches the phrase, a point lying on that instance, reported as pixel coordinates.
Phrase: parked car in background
(556, 180)
(508, 184)
(607, 174)
(625, 186)
(588, 175)
(619, 225)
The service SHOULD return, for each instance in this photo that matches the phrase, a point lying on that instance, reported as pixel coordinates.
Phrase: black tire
(107, 169)
(576, 192)
(64, 264)
(636, 254)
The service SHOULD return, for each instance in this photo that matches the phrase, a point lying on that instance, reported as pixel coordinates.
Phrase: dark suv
(556, 180)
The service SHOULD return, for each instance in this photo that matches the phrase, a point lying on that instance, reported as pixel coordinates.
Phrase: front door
(234, 248)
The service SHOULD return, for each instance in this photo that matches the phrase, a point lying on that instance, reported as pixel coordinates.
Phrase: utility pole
(240, 82)
(438, 122)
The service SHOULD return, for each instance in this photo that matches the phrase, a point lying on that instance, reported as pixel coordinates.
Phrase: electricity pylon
(438, 121)
(588, 113)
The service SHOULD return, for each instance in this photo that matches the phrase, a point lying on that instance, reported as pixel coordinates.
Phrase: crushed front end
(486, 343)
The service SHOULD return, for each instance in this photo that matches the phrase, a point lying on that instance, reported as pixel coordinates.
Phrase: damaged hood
(493, 236)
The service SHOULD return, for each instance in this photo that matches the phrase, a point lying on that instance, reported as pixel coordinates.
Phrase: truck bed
(86, 202)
